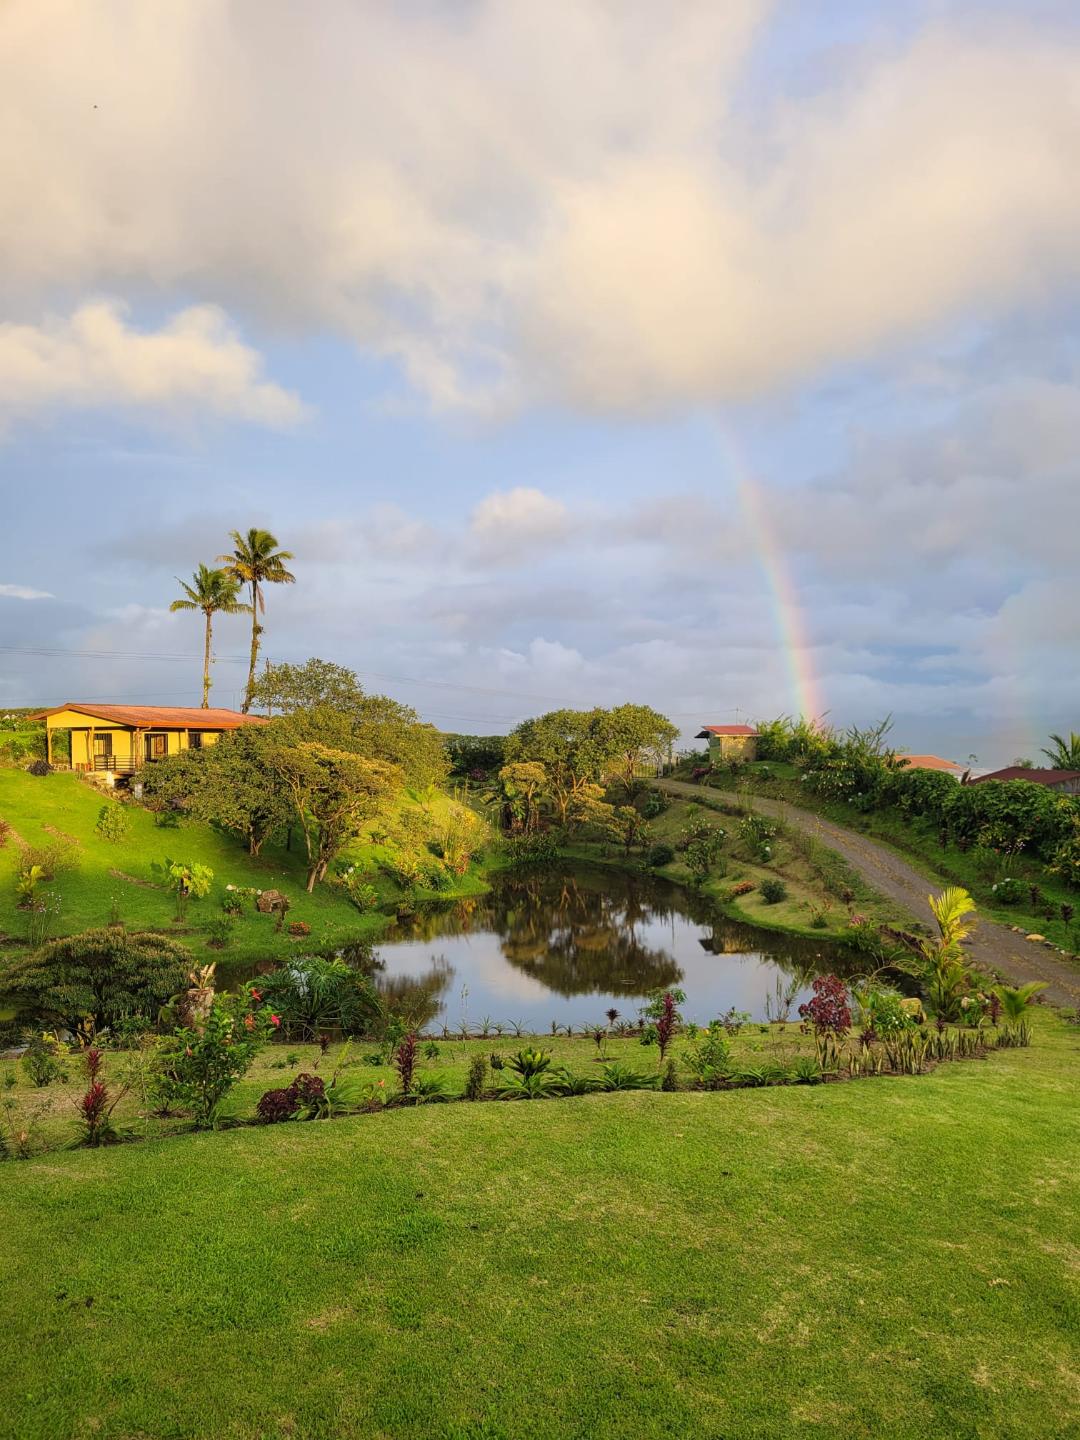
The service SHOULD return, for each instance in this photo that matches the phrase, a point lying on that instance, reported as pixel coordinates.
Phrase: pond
(565, 947)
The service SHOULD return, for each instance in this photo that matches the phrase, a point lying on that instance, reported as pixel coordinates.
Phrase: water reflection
(565, 946)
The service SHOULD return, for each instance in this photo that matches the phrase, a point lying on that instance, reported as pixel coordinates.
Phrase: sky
(720, 358)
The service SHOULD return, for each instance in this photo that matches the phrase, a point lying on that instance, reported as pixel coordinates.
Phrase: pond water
(569, 945)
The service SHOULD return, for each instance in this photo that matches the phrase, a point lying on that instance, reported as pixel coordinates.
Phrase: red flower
(275, 1019)
(256, 994)
(249, 1022)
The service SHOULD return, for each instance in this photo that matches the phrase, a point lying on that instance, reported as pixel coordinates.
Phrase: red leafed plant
(405, 1062)
(96, 1106)
(828, 1011)
(665, 1025)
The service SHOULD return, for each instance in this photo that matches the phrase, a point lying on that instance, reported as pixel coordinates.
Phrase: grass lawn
(43, 810)
(888, 1258)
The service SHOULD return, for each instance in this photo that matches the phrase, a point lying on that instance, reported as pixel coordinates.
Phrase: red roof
(1034, 777)
(166, 717)
(708, 730)
(931, 762)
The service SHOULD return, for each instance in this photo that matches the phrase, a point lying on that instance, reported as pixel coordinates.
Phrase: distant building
(1064, 782)
(729, 742)
(933, 762)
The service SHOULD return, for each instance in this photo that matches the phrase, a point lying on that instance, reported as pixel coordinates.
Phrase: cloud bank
(522, 202)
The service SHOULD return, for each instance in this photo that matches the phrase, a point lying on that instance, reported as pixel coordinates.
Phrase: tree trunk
(250, 691)
(206, 662)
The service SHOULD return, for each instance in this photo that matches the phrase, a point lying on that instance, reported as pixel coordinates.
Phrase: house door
(103, 751)
(157, 747)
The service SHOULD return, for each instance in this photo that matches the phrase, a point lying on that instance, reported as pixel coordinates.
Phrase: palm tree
(1016, 999)
(1065, 754)
(214, 592)
(946, 972)
(256, 561)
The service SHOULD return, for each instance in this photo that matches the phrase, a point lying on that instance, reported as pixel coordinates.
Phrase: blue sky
(488, 310)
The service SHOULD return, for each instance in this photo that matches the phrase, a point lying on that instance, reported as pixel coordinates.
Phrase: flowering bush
(828, 1011)
(202, 1066)
(744, 887)
(1008, 891)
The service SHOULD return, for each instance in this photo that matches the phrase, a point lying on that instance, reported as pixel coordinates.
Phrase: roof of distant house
(707, 730)
(932, 762)
(146, 717)
(1035, 777)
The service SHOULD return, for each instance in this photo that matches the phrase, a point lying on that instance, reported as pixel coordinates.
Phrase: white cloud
(508, 522)
(24, 592)
(94, 358)
(523, 201)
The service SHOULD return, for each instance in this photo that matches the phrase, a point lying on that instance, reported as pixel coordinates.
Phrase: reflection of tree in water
(578, 939)
(417, 998)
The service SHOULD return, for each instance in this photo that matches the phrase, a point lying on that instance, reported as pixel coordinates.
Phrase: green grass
(884, 1259)
(43, 809)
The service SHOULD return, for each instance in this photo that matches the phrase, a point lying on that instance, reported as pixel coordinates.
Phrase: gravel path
(995, 946)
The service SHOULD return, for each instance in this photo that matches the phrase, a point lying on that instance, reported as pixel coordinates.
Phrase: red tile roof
(164, 717)
(1035, 777)
(931, 762)
(708, 730)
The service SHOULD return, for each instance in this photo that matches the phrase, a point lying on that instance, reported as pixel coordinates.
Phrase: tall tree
(214, 592)
(255, 562)
(1065, 754)
(636, 735)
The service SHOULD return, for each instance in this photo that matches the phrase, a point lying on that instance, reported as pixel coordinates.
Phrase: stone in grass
(1035, 938)
(271, 900)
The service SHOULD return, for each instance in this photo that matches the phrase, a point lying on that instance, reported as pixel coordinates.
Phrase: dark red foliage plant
(96, 1106)
(277, 1105)
(665, 1025)
(405, 1062)
(828, 1011)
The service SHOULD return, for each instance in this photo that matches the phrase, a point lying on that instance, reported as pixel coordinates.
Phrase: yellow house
(120, 739)
(729, 742)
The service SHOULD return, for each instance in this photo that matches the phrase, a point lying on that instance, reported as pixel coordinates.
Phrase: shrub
(828, 1011)
(660, 854)
(112, 821)
(39, 767)
(45, 1060)
(218, 931)
(186, 879)
(744, 887)
(773, 891)
(670, 1079)
(476, 1080)
(276, 1106)
(103, 975)
(299, 928)
(201, 1067)
(757, 835)
(232, 904)
(525, 851)
(311, 994)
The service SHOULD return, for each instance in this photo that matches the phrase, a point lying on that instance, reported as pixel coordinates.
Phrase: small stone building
(729, 742)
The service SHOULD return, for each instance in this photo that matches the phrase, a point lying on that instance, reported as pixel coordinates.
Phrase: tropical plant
(476, 1080)
(1064, 754)
(946, 974)
(532, 1061)
(1015, 1002)
(666, 1023)
(540, 1085)
(256, 562)
(44, 1059)
(95, 1107)
(214, 592)
(405, 1061)
(200, 1067)
(311, 995)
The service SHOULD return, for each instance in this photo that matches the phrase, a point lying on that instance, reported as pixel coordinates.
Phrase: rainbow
(789, 617)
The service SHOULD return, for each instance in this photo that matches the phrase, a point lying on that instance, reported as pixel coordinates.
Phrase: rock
(271, 900)
(913, 1007)
(1035, 939)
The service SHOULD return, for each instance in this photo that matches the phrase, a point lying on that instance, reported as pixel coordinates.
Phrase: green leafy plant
(312, 995)
(45, 1060)
(112, 822)
(773, 891)
(615, 1076)
(476, 1080)
(202, 1066)
(186, 879)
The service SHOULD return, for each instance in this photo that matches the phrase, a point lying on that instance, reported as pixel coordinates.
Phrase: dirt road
(995, 947)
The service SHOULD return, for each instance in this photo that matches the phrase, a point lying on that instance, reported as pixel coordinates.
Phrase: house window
(103, 746)
(157, 747)
(194, 740)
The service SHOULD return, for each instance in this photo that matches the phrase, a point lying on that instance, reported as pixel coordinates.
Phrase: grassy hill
(888, 1260)
(117, 877)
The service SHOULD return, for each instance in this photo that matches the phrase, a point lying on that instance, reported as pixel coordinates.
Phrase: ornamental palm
(1016, 999)
(214, 592)
(256, 561)
(1065, 754)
